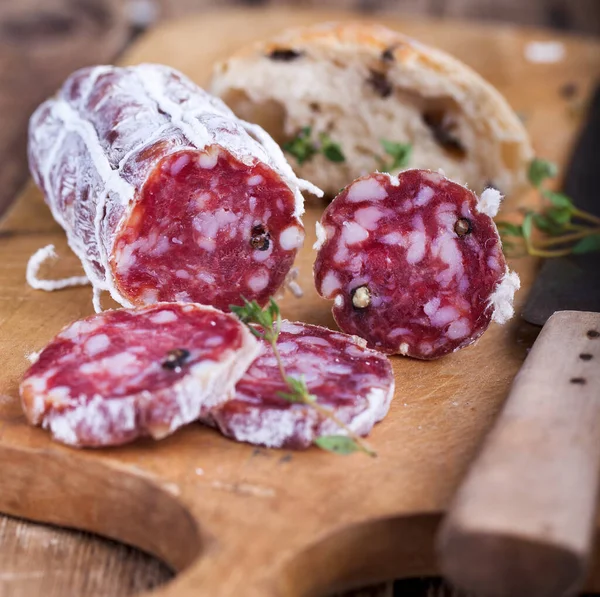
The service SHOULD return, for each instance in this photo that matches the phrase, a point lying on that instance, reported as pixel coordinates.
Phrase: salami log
(354, 382)
(413, 263)
(115, 376)
(163, 193)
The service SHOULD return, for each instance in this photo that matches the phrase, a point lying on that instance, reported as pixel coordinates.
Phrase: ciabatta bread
(361, 83)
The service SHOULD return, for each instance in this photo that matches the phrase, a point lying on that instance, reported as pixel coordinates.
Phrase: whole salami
(354, 382)
(163, 193)
(118, 375)
(413, 263)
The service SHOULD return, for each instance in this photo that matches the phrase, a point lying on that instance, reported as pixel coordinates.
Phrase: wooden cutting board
(234, 519)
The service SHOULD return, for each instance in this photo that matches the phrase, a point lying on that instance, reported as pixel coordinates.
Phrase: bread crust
(409, 66)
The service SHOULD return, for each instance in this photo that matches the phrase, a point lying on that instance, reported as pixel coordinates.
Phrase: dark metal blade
(574, 282)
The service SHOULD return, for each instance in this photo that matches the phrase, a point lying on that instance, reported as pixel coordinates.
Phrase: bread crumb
(545, 52)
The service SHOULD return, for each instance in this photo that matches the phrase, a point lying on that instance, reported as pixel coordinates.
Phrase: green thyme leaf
(252, 313)
(558, 199)
(331, 150)
(527, 226)
(399, 152)
(340, 444)
(560, 215)
(539, 170)
(269, 319)
(301, 147)
(589, 244)
(509, 229)
(547, 224)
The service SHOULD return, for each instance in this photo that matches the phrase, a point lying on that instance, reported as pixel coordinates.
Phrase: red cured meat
(413, 263)
(356, 383)
(207, 234)
(163, 193)
(110, 378)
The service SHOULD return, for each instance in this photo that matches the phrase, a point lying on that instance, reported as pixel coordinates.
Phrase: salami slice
(163, 193)
(110, 378)
(355, 383)
(413, 263)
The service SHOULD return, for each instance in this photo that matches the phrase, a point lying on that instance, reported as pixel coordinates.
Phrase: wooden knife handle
(521, 524)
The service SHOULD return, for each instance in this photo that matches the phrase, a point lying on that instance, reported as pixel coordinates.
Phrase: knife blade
(521, 523)
(573, 282)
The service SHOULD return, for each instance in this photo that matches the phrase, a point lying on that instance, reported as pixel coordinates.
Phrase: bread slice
(361, 83)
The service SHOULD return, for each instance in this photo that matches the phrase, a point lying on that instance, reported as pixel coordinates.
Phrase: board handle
(521, 523)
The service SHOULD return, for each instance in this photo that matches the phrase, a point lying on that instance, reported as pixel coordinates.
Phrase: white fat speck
(444, 316)
(459, 329)
(213, 341)
(368, 217)
(338, 301)
(254, 180)
(122, 362)
(501, 299)
(330, 284)
(208, 244)
(292, 328)
(394, 180)
(367, 189)
(182, 297)
(59, 395)
(261, 256)
(183, 274)
(432, 306)
(176, 241)
(33, 356)
(258, 281)
(291, 238)
(545, 52)
(96, 344)
(393, 238)
(321, 236)
(205, 277)
(199, 471)
(179, 164)
(399, 332)
(403, 348)
(163, 317)
(161, 247)
(150, 296)
(208, 160)
(489, 202)
(76, 329)
(424, 196)
(417, 246)
(434, 178)
(38, 383)
(353, 233)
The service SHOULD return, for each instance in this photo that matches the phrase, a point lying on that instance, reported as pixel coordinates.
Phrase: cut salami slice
(413, 263)
(113, 377)
(163, 193)
(355, 383)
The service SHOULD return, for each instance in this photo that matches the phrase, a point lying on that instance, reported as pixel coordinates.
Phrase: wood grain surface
(532, 89)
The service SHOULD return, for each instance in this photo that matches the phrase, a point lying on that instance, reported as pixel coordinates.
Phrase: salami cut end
(207, 228)
(355, 383)
(163, 193)
(413, 263)
(112, 377)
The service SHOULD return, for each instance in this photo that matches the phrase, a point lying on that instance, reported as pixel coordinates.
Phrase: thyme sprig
(566, 229)
(398, 152)
(304, 148)
(265, 323)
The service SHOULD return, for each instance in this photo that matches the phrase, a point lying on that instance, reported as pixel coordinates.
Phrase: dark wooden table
(41, 42)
